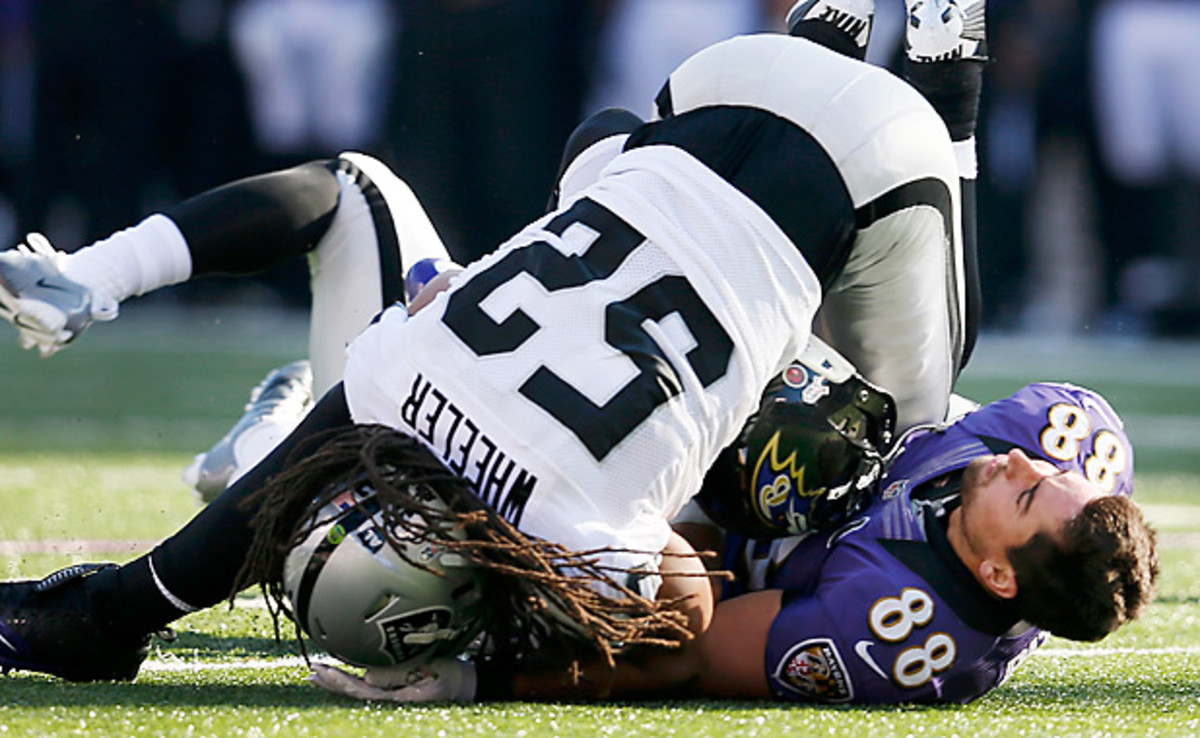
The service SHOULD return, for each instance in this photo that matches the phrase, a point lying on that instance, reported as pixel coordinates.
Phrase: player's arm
(732, 652)
(727, 660)
(652, 671)
(437, 284)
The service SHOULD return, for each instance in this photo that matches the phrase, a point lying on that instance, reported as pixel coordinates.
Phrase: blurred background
(1089, 136)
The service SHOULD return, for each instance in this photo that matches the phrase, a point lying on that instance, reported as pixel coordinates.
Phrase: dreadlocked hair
(540, 597)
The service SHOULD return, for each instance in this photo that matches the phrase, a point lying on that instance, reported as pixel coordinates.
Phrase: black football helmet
(809, 458)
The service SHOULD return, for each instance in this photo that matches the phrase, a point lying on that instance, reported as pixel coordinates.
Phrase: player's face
(1008, 498)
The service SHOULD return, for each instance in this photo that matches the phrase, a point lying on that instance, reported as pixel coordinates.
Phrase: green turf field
(92, 442)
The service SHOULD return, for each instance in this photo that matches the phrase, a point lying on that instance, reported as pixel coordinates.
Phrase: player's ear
(998, 578)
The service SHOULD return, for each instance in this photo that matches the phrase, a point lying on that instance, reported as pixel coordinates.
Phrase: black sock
(249, 225)
(127, 599)
(953, 88)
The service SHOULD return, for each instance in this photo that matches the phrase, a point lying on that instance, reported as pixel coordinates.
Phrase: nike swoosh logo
(46, 283)
(862, 650)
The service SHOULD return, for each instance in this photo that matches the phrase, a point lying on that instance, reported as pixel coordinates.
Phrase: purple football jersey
(882, 610)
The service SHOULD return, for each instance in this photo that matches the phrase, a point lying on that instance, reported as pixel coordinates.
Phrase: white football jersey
(585, 376)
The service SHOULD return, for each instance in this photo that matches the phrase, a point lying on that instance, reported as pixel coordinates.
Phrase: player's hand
(432, 289)
(442, 680)
(425, 279)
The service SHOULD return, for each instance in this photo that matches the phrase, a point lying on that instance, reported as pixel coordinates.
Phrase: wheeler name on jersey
(466, 450)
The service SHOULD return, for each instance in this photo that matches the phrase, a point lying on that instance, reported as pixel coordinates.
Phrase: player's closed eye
(1025, 498)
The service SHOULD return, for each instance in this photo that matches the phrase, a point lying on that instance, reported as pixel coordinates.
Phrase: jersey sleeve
(873, 632)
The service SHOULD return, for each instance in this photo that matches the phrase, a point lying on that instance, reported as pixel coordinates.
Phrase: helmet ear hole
(808, 458)
(379, 606)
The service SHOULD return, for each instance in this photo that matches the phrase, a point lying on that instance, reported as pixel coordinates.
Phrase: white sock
(132, 262)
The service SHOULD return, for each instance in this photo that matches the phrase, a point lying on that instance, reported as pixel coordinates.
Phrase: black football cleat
(50, 626)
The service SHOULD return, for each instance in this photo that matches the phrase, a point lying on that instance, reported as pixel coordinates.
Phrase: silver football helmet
(364, 602)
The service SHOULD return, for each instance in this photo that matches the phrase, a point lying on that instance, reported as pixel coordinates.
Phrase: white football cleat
(48, 309)
(276, 407)
(852, 17)
(945, 30)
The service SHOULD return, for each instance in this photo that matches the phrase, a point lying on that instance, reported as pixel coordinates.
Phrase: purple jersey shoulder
(1071, 427)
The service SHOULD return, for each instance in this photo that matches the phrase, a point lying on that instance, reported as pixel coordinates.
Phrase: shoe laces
(286, 387)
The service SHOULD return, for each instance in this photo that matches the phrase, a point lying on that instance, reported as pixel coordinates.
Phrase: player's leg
(903, 308)
(361, 223)
(358, 267)
(946, 51)
(376, 250)
(896, 309)
(240, 228)
(98, 626)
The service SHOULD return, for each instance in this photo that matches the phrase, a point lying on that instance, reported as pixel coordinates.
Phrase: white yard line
(1083, 360)
(86, 547)
(257, 664)
(75, 546)
(1070, 653)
